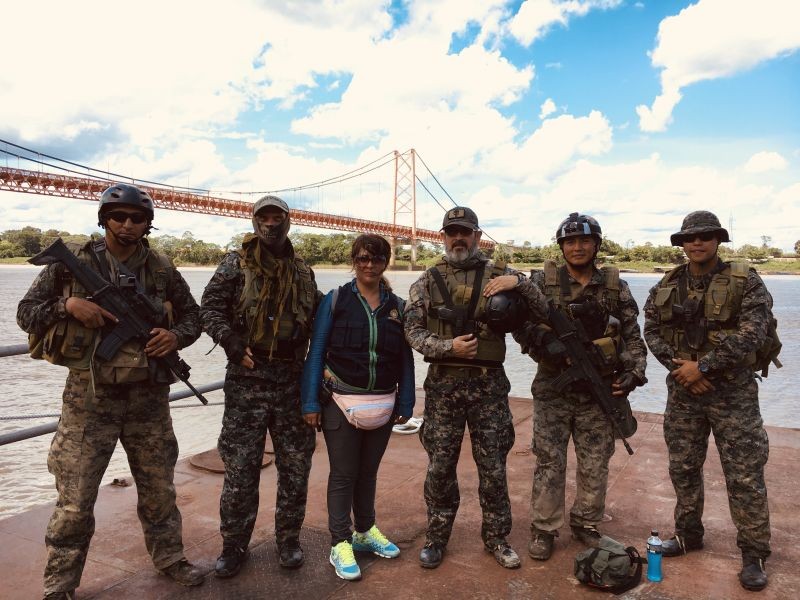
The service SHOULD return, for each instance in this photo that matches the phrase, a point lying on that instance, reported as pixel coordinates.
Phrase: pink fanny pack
(366, 411)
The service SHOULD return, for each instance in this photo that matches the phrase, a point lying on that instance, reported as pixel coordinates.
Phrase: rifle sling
(98, 254)
(563, 280)
(476, 289)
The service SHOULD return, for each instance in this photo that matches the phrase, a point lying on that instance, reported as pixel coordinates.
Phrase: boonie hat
(270, 201)
(462, 216)
(699, 221)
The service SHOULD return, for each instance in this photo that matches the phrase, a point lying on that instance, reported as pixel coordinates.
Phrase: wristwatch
(703, 367)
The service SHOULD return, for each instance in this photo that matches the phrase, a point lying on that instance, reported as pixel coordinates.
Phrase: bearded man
(466, 384)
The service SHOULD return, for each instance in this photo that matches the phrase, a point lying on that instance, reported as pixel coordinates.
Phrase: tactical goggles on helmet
(120, 216)
(365, 259)
(575, 228)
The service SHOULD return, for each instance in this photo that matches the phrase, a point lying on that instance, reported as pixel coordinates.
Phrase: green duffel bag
(610, 567)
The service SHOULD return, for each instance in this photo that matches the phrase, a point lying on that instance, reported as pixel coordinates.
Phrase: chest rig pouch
(456, 307)
(694, 321)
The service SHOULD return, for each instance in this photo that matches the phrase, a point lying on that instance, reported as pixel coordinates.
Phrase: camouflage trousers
(254, 407)
(556, 418)
(732, 413)
(138, 416)
(481, 403)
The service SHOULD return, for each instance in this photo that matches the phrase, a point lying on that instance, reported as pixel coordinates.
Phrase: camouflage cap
(462, 216)
(699, 221)
(270, 201)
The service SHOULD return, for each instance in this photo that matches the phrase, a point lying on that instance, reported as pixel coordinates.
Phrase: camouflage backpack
(611, 567)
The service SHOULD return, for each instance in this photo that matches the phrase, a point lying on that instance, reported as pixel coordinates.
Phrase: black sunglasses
(706, 236)
(453, 230)
(365, 259)
(119, 216)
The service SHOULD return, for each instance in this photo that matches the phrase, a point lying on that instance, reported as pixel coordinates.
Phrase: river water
(34, 387)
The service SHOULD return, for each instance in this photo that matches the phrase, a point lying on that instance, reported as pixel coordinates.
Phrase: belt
(460, 372)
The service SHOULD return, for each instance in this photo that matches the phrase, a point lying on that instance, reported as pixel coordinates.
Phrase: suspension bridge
(53, 176)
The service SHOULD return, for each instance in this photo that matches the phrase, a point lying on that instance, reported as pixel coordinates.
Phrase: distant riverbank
(771, 267)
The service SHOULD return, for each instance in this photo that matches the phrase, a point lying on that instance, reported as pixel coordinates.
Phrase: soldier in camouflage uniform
(105, 401)
(466, 383)
(709, 350)
(259, 306)
(608, 312)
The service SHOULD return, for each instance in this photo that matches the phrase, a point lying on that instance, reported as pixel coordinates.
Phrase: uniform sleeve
(218, 302)
(415, 318)
(406, 387)
(531, 334)
(537, 303)
(751, 329)
(186, 325)
(43, 305)
(314, 364)
(636, 359)
(652, 321)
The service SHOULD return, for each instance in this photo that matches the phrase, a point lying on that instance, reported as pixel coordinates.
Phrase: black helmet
(127, 195)
(505, 311)
(577, 224)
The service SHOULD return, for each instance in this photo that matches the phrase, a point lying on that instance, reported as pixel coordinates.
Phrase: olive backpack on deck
(610, 567)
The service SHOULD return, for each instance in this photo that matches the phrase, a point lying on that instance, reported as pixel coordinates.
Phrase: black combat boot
(230, 561)
(753, 577)
(431, 555)
(290, 555)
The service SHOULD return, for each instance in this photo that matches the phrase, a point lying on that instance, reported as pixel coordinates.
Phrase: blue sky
(634, 111)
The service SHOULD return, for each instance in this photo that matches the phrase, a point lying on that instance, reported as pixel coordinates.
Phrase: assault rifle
(136, 312)
(579, 350)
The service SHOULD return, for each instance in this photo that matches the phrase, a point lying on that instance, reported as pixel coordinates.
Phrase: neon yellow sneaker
(374, 541)
(344, 561)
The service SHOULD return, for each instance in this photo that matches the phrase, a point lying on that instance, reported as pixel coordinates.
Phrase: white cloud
(643, 200)
(548, 107)
(535, 17)
(143, 70)
(765, 161)
(713, 39)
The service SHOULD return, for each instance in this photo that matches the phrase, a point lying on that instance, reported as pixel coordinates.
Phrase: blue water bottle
(654, 557)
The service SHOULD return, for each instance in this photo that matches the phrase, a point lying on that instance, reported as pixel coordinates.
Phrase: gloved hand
(626, 382)
(234, 346)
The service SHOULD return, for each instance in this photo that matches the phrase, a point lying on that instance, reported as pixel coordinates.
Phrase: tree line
(334, 248)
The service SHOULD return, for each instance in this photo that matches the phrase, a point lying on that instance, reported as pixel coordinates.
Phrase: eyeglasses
(706, 236)
(119, 216)
(365, 259)
(454, 230)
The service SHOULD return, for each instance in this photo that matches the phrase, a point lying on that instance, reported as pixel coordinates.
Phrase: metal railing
(31, 432)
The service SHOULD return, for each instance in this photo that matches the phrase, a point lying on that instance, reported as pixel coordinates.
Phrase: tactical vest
(290, 341)
(559, 290)
(365, 350)
(69, 343)
(721, 303)
(491, 346)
